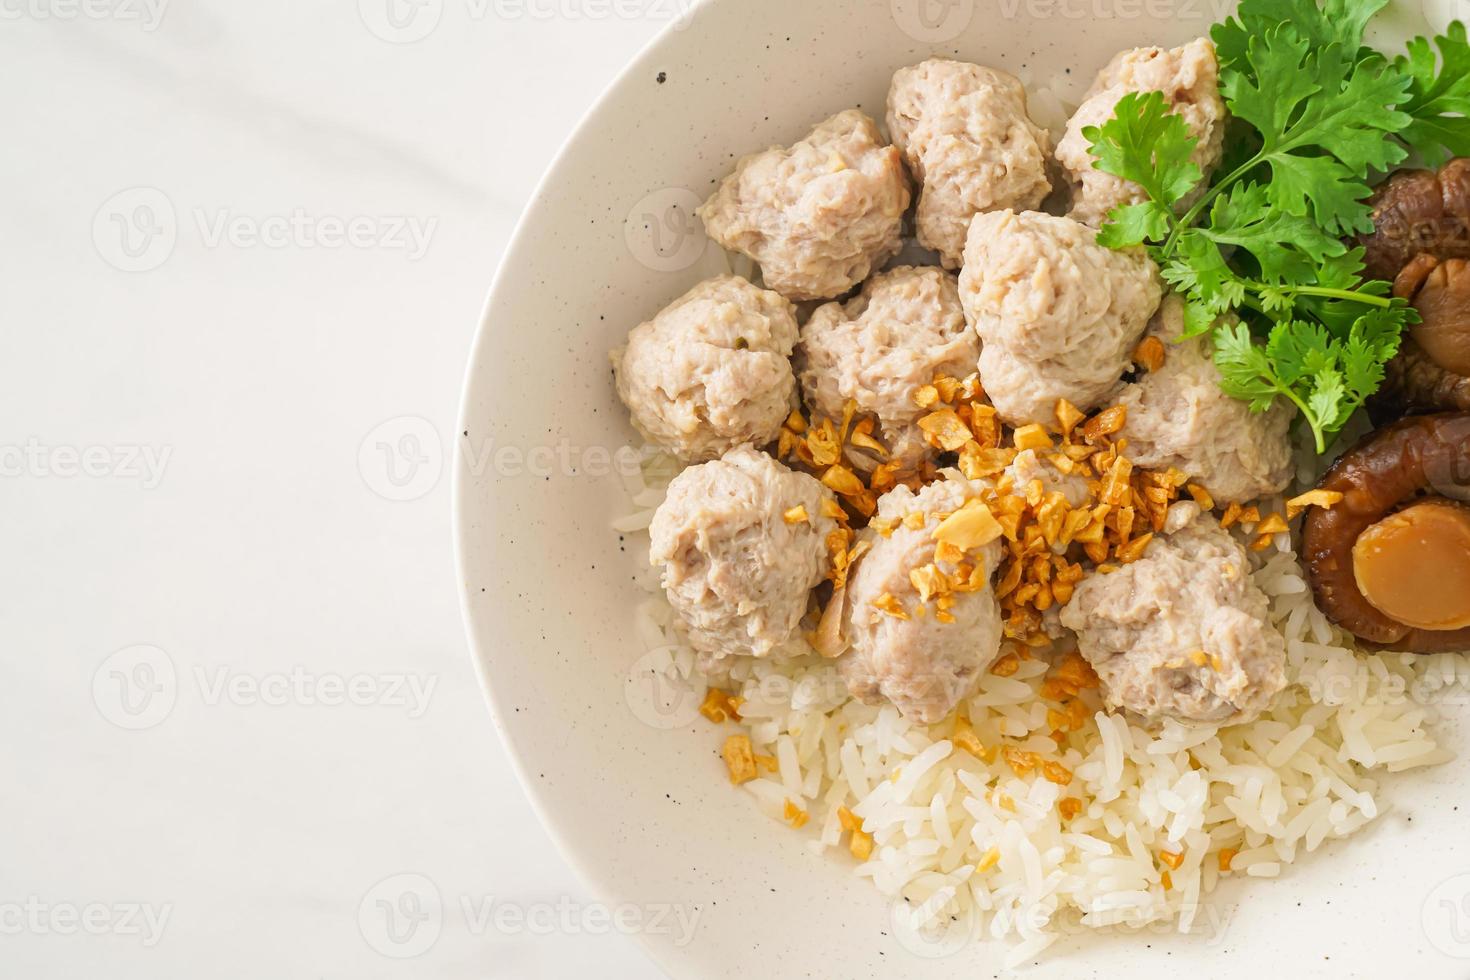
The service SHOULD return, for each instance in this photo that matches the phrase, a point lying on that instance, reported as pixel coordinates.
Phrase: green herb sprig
(1259, 254)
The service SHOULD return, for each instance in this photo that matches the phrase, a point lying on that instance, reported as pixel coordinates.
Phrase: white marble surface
(235, 694)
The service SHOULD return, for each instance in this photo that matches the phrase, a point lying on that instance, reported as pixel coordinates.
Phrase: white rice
(1271, 790)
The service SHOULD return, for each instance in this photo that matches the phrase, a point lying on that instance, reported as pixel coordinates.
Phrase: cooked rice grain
(972, 832)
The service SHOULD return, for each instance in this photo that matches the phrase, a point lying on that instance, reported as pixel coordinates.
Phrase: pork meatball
(1188, 77)
(712, 370)
(818, 216)
(1183, 632)
(1058, 315)
(742, 541)
(1178, 417)
(878, 349)
(966, 136)
(922, 665)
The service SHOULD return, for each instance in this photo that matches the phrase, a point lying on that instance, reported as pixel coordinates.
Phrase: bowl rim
(601, 888)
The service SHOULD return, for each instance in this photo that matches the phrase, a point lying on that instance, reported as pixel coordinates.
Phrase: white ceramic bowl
(647, 815)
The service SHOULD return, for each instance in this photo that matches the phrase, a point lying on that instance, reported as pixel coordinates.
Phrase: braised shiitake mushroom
(1440, 291)
(1418, 211)
(1414, 565)
(1390, 562)
(1414, 383)
(1420, 242)
(1432, 369)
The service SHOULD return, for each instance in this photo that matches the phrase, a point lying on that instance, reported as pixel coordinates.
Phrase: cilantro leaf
(1439, 96)
(1246, 371)
(1363, 369)
(1340, 22)
(1327, 400)
(1298, 361)
(1299, 350)
(1146, 143)
(1245, 85)
(1324, 120)
(1328, 379)
(1332, 190)
(1210, 287)
(1259, 257)
(1199, 318)
(1344, 293)
(1372, 343)
(1134, 224)
(1287, 247)
(1203, 269)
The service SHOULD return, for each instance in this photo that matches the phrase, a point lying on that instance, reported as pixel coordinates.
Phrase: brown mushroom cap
(1414, 565)
(1443, 302)
(1414, 383)
(1390, 468)
(1417, 211)
(1432, 369)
